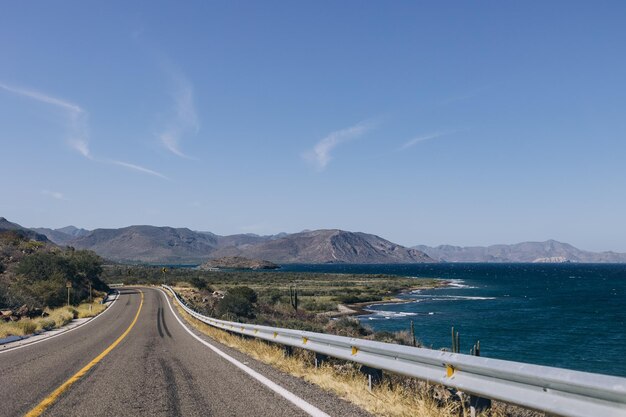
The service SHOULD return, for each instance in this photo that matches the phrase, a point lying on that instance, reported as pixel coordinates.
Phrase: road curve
(156, 369)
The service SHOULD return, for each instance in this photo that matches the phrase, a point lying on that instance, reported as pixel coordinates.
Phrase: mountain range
(549, 251)
(152, 244)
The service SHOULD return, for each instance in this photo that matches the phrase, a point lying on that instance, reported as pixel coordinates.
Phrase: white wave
(458, 283)
(391, 304)
(459, 297)
(390, 314)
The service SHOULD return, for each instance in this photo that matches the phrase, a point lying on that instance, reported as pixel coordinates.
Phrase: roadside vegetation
(35, 280)
(50, 319)
(36, 274)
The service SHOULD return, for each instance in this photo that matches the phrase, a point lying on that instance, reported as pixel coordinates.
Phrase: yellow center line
(49, 400)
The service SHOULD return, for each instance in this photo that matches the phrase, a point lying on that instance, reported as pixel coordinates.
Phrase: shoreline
(360, 309)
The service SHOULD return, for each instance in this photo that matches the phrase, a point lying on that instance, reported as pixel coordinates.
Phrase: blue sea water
(565, 315)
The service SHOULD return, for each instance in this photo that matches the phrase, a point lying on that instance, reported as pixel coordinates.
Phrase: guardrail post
(288, 350)
(478, 405)
(320, 359)
(374, 376)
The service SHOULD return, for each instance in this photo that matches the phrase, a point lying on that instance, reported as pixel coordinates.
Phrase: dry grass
(90, 310)
(342, 379)
(56, 318)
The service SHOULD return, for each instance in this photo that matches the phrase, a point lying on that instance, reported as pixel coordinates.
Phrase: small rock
(22, 311)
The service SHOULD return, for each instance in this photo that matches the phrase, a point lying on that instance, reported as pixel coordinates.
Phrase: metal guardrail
(555, 391)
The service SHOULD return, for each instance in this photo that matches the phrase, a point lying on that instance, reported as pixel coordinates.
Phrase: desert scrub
(57, 317)
(27, 326)
(47, 324)
(62, 316)
(90, 310)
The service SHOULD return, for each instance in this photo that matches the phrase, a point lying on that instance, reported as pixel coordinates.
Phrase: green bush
(198, 282)
(353, 299)
(238, 303)
(245, 292)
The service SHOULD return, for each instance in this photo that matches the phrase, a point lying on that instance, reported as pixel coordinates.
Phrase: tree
(198, 282)
(238, 302)
(245, 292)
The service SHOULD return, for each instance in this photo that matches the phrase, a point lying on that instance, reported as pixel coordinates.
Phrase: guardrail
(556, 391)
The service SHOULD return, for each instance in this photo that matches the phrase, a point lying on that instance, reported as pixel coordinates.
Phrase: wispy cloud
(78, 128)
(320, 155)
(185, 120)
(138, 168)
(76, 117)
(54, 194)
(423, 138)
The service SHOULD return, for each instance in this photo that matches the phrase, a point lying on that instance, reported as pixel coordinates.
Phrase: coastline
(360, 309)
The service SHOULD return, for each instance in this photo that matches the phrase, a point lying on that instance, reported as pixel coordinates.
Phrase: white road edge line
(62, 333)
(288, 395)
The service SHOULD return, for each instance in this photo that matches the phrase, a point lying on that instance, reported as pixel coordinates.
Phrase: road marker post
(68, 285)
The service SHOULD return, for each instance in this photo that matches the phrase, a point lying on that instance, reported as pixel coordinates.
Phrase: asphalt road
(157, 369)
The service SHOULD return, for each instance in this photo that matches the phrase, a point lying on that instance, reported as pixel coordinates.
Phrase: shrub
(27, 326)
(238, 302)
(353, 299)
(199, 283)
(47, 324)
(62, 316)
(347, 326)
(245, 292)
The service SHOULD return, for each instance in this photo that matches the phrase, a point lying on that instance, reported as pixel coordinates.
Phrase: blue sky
(423, 122)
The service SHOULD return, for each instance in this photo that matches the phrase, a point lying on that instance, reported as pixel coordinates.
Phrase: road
(137, 359)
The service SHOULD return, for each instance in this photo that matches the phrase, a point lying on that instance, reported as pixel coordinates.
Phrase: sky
(465, 123)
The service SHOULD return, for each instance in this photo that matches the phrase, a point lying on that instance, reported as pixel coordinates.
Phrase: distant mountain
(28, 233)
(548, 251)
(73, 231)
(326, 246)
(62, 236)
(149, 244)
(168, 245)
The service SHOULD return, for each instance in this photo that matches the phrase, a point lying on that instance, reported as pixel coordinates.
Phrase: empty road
(137, 359)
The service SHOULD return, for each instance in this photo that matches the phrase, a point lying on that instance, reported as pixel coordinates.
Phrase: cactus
(475, 350)
(413, 334)
(456, 342)
(293, 297)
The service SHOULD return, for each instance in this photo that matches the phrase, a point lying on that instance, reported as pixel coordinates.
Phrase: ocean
(565, 315)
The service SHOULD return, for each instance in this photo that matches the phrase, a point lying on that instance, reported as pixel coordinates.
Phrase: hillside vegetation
(35, 273)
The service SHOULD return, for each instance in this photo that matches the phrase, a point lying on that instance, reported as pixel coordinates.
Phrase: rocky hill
(6, 225)
(237, 262)
(548, 251)
(34, 271)
(327, 246)
(149, 244)
(62, 236)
